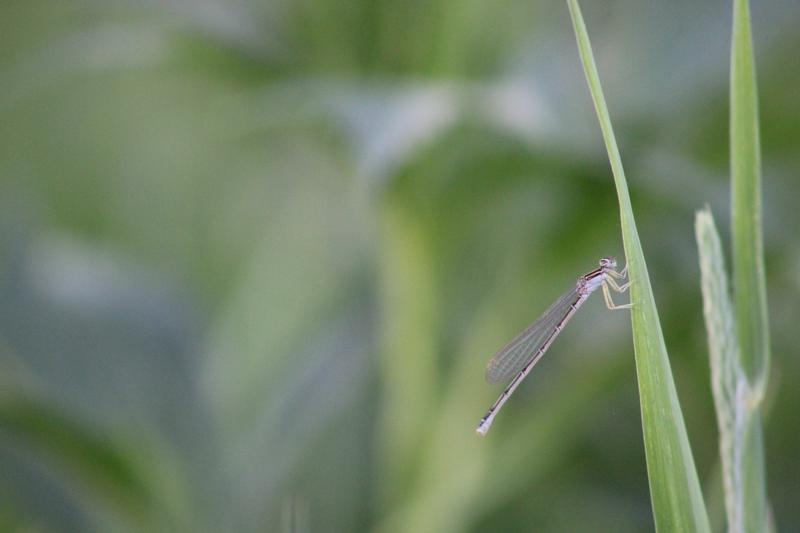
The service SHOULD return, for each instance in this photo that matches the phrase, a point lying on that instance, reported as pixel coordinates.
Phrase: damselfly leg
(609, 281)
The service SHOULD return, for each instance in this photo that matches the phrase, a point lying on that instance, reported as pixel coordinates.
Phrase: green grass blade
(674, 486)
(748, 249)
(738, 416)
(739, 348)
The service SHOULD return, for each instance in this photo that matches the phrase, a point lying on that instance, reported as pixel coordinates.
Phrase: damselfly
(516, 358)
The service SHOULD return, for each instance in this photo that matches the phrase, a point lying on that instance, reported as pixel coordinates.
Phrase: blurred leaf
(748, 248)
(110, 470)
(409, 372)
(309, 252)
(674, 485)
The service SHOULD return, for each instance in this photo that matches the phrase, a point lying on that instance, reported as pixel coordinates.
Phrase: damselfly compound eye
(608, 262)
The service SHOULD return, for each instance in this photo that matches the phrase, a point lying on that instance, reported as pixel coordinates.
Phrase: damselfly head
(608, 262)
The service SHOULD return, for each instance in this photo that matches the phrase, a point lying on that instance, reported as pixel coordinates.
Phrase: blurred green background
(255, 255)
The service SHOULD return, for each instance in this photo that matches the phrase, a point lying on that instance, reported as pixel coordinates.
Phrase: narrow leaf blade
(674, 486)
(748, 247)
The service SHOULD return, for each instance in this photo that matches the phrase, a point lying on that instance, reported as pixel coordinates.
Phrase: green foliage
(254, 256)
(737, 402)
(739, 336)
(674, 485)
(748, 248)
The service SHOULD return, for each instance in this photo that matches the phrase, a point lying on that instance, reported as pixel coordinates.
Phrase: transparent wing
(513, 357)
